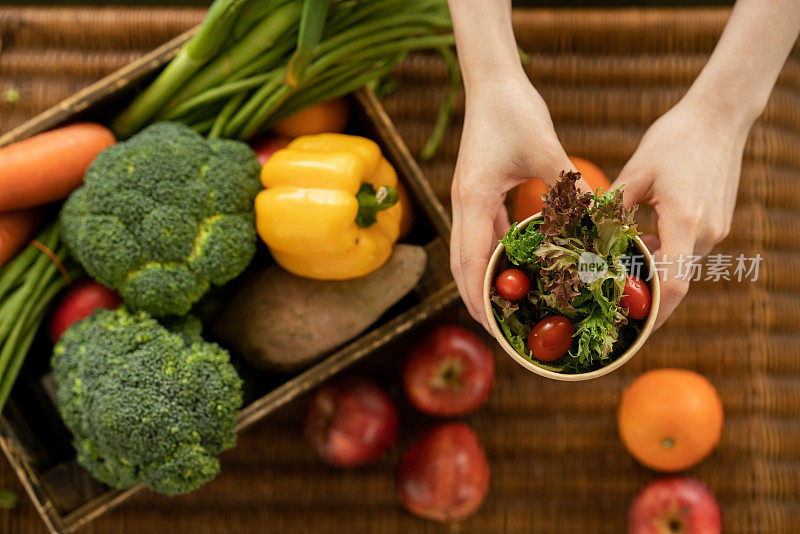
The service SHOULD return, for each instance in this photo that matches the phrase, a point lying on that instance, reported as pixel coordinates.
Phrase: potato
(280, 321)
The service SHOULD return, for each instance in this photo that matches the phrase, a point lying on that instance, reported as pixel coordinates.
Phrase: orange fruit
(527, 199)
(326, 117)
(670, 419)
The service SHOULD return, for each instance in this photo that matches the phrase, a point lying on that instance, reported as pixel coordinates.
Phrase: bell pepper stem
(370, 202)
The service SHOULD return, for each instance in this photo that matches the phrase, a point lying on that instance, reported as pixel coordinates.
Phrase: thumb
(676, 244)
(561, 162)
(635, 183)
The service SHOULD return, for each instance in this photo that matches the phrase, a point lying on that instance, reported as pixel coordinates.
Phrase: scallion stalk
(199, 50)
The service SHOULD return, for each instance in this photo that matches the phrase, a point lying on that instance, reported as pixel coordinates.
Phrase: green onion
(204, 45)
(446, 109)
(28, 284)
(312, 22)
(280, 56)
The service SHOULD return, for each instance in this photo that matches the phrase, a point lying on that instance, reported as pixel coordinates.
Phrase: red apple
(450, 372)
(80, 301)
(351, 422)
(675, 505)
(267, 146)
(444, 475)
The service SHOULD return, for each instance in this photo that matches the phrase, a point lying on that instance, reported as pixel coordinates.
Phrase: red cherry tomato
(80, 301)
(551, 338)
(512, 284)
(636, 297)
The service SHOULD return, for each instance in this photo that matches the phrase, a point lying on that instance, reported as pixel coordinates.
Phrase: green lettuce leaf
(506, 308)
(515, 331)
(596, 336)
(521, 244)
(615, 224)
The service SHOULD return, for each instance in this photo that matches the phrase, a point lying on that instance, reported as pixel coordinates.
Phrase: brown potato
(280, 321)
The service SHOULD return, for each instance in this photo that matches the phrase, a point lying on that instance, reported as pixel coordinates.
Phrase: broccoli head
(145, 402)
(163, 215)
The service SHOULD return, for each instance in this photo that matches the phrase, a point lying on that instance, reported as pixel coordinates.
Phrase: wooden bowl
(655, 290)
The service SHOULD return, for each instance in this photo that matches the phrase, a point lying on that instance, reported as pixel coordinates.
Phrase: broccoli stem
(370, 202)
(203, 46)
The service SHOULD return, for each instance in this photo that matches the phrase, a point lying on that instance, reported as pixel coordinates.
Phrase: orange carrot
(49, 166)
(17, 228)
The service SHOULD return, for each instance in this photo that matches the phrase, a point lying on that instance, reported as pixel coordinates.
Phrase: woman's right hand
(508, 138)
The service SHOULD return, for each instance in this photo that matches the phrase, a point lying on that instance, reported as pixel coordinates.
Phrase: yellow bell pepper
(329, 210)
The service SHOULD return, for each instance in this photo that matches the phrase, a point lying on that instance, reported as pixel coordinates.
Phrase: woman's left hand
(687, 167)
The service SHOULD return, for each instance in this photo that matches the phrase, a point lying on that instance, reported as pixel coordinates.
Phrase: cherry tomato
(551, 338)
(512, 284)
(636, 297)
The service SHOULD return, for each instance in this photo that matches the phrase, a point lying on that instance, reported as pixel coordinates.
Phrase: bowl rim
(655, 290)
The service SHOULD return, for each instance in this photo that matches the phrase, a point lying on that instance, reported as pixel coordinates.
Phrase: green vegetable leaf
(615, 224)
(560, 273)
(515, 331)
(506, 307)
(596, 336)
(521, 244)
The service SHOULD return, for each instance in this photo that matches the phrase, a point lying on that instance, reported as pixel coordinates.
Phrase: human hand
(508, 138)
(687, 167)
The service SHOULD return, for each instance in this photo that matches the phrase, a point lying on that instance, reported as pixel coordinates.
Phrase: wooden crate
(32, 435)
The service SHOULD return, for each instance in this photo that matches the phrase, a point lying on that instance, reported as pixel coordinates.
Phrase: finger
(676, 241)
(477, 242)
(501, 223)
(559, 161)
(471, 246)
(635, 182)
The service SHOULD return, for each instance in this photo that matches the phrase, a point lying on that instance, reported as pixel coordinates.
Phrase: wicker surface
(557, 464)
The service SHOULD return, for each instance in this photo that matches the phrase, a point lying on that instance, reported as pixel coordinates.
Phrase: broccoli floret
(145, 402)
(163, 215)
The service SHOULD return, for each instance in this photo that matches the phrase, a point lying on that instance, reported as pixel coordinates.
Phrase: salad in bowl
(568, 291)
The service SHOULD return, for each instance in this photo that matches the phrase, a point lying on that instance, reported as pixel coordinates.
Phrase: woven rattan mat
(557, 464)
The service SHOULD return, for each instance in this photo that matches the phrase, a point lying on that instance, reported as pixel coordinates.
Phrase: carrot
(49, 166)
(16, 230)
